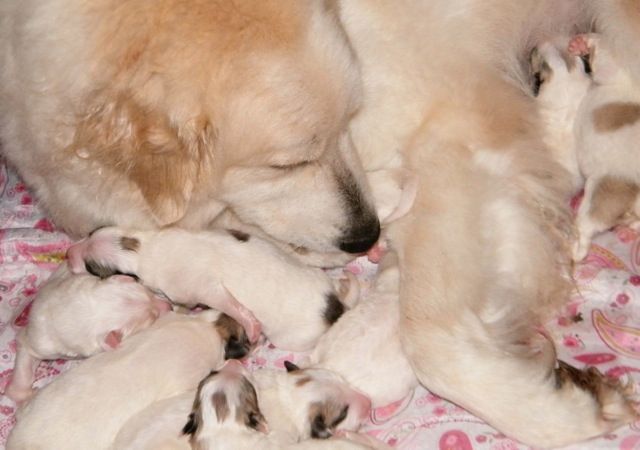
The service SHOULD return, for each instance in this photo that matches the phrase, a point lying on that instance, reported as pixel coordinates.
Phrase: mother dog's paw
(613, 399)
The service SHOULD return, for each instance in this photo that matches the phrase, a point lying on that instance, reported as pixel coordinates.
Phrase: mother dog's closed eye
(171, 111)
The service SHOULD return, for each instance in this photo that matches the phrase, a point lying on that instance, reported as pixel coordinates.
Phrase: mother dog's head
(244, 104)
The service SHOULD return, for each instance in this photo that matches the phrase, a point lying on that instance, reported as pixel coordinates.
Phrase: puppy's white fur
(86, 406)
(295, 304)
(76, 316)
(364, 346)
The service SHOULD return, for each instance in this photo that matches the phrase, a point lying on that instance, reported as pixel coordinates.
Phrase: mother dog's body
(484, 251)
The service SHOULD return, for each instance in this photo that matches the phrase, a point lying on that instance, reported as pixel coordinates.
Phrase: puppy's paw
(580, 248)
(579, 45)
(613, 398)
(19, 394)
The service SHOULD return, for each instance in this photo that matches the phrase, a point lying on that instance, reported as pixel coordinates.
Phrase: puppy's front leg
(20, 387)
(221, 299)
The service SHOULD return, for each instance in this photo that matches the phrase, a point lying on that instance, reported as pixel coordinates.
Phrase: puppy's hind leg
(606, 200)
(20, 387)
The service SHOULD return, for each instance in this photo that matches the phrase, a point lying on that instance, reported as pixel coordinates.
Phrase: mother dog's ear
(164, 160)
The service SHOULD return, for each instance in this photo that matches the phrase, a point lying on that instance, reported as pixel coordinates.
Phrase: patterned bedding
(599, 326)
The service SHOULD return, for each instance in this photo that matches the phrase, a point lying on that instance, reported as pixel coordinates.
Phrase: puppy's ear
(191, 426)
(291, 367)
(139, 143)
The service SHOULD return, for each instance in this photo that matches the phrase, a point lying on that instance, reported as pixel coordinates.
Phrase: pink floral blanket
(600, 326)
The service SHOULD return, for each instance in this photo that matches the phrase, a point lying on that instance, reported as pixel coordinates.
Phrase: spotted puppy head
(324, 403)
(557, 75)
(105, 252)
(236, 341)
(227, 400)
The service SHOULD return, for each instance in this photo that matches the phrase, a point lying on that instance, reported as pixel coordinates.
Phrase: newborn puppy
(560, 83)
(226, 415)
(85, 407)
(243, 276)
(364, 347)
(76, 316)
(297, 405)
(607, 135)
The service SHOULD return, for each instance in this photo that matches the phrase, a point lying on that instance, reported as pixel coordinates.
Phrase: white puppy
(241, 275)
(227, 415)
(86, 406)
(76, 316)
(297, 405)
(607, 135)
(364, 347)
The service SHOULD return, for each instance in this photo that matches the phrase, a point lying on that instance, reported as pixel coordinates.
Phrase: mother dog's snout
(361, 237)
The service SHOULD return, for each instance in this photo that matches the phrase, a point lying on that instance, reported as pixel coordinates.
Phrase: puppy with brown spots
(590, 106)
(226, 415)
(76, 316)
(85, 407)
(243, 276)
(607, 136)
(297, 405)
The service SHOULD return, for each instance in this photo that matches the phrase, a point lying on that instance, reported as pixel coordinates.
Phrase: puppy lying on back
(85, 407)
(243, 276)
(591, 109)
(76, 316)
(364, 347)
(297, 405)
(226, 415)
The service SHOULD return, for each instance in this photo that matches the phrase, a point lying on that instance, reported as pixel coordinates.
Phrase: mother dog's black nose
(361, 238)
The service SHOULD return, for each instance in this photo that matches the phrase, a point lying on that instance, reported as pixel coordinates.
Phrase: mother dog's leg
(479, 268)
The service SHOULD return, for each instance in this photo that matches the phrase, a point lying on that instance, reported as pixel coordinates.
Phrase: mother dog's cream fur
(484, 251)
(144, 114)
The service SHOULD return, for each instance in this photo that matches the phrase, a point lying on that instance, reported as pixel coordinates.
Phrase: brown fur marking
(612, 198)
(302, 381)
(615, 115)
(324, 417)
(239, 235)
(129, 243)
(248, 412)
(220, 406)
(334, 309)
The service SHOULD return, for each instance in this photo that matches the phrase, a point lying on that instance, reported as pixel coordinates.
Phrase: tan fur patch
(302, 381)
(220, 405)
(612, 198)
(129, 243)
(613, 116)
(228, 327)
